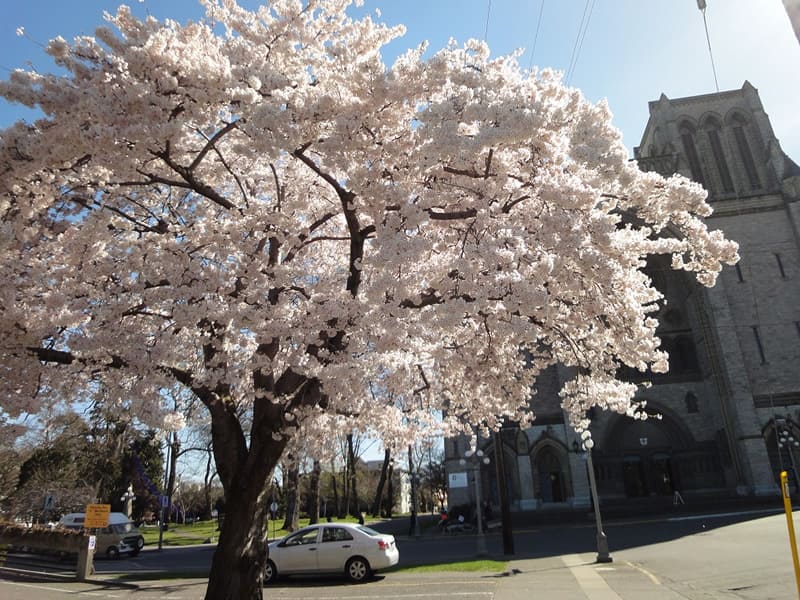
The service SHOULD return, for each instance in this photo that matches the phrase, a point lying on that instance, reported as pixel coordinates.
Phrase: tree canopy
(256, 208)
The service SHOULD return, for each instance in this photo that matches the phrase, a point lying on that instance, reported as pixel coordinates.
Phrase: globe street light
(128, 497)
(602, 542)
(788, 441)
(477, 459)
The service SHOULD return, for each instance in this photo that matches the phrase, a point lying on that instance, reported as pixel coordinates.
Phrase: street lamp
(128, 497)
(788, 441)
(477, 460)
(602, 542)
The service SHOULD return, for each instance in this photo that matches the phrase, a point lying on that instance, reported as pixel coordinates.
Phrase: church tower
(749, 324)
(727, 414)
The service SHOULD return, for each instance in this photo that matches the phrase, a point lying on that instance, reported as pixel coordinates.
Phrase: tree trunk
(173, 462)
(376, 504)
(313, 509)
(335, 489)
(208, 480)
(412, 524)
(352, 482)
(292, 490)
(237, 569)
(345, 508)
(390, 492)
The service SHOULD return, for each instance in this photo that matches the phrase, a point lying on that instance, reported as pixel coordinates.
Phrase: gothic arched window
(689, 148)
(740, 135)
(713, 129)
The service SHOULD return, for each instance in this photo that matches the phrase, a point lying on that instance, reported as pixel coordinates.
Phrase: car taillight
(384, 545)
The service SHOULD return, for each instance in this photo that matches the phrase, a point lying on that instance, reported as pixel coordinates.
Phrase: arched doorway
(656, 456)
(550, 476)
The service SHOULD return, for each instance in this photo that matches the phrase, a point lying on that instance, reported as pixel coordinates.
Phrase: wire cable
(702, 7)
(536, 36)
(582, 29)
(486, 28)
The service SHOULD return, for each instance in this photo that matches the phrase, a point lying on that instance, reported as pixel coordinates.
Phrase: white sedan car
(354, 550)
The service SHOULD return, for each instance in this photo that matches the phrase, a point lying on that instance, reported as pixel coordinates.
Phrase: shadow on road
(545, 535)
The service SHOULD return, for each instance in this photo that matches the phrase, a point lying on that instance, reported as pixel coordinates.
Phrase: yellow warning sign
(97, 515)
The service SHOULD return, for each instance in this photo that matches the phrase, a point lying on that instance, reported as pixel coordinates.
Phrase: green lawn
(198, 533)
(470, 566)
(182, 535)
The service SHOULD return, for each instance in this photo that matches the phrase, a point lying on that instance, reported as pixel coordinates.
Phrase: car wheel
(112, 552)
(357, 569)
(270, 572)
(139, 542)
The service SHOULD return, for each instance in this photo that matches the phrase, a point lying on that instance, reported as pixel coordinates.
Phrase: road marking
(428, 584)
(55, 589)
(723, 515)
(592, 584)
(385, 596)
(641, 569)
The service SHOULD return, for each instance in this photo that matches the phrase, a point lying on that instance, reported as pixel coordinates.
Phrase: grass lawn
(200, 532)
(469, 566)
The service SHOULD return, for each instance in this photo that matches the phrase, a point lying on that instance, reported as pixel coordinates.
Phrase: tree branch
(347, 199)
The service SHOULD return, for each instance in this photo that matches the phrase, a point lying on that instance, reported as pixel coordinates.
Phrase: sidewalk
(578, 577)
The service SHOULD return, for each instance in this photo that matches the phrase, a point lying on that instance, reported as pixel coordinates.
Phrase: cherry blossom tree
(256, 208)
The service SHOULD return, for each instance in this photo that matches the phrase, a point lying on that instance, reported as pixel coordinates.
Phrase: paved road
(731, 557)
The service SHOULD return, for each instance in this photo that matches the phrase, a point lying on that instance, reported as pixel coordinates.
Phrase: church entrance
(653, 457)
(634, 476)
(551, 478)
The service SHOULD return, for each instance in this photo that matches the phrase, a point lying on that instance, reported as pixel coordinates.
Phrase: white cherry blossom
(257, 208)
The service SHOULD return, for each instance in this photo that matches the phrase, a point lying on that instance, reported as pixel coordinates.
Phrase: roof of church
(790, 168)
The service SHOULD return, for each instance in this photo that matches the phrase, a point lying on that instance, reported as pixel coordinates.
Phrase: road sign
(458, 480)
(97, 515)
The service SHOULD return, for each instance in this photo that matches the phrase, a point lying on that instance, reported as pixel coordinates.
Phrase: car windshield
(368, 531)
(122, 527)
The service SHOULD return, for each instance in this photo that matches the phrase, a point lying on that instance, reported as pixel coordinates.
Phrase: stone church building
(730, 404)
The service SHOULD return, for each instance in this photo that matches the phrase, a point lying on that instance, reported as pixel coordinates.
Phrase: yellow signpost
(97, 515)
(787, 505)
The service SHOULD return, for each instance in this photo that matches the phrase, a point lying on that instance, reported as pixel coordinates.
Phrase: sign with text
(458, 480)
(97, 515)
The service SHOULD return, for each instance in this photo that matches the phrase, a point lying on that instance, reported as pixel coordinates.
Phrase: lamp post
(128, 497)
(788, 441)
(602, 542)
(478, 459)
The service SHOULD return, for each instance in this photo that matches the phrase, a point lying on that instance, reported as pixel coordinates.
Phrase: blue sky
(632, 50)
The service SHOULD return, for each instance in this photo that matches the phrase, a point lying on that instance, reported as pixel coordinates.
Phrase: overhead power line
(582, 29)
(536, 36)
(486, 28)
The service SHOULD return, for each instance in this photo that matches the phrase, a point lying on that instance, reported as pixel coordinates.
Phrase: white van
(120, 536)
